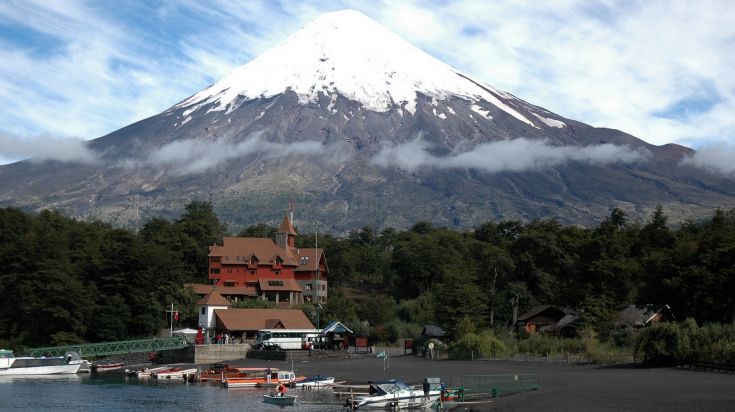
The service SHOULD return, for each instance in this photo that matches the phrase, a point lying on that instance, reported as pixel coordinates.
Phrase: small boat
(279, 400)
(174, 373)
(276, 378)
(144, 373)
(219, 372)
(10, 365)
(394, 394)
(106, 366)
(314, 381)
(261, 377)
(85, 367)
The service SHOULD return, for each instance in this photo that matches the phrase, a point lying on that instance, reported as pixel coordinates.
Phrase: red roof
(308, 258)
(239, 250)
(287, 227)
(256, 319)
(213, 299)
(285, 285)
(203, 289)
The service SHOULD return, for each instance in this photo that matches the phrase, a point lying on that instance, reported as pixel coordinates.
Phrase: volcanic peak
(345, 52)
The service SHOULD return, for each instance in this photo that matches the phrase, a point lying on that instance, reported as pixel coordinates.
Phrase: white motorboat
(10, 365)
(174, 373)
(145, 372)
(395, 394)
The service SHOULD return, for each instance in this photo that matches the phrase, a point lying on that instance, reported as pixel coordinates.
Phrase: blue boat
(314, 380)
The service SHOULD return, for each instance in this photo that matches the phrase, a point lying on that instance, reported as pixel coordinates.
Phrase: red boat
(220, 372)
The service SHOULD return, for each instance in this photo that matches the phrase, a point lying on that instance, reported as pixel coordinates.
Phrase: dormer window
(304, 260)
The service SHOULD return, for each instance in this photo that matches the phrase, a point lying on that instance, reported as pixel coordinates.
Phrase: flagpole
(316, 251)
(171, 331)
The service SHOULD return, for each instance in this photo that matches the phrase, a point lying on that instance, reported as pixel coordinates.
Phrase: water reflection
(119, 393)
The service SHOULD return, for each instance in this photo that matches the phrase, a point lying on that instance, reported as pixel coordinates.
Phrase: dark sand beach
(564, 387)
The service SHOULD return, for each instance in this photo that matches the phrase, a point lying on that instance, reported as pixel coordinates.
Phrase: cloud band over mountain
(516, 155)
(45, 147)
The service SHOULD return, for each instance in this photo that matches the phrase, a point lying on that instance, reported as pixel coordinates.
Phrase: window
(214, 270)
(275, 283)
(304, 260)
(252, 272)
(204, 311)
(230, 284)
(277, 272)
(308, 286)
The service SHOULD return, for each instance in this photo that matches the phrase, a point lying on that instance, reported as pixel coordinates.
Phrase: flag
(176, 315)
(382, 355)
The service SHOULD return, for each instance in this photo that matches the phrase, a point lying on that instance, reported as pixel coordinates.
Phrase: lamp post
(171, 313)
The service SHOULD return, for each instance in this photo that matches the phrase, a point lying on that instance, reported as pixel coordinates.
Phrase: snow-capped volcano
(348, 53)
(361, 128)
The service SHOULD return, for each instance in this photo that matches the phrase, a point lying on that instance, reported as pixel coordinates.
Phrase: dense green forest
(65, 281)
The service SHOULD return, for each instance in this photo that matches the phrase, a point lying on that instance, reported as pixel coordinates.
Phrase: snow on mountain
(348, 53)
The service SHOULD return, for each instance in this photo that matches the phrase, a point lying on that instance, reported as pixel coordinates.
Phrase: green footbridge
(113, 348)
(473, 386)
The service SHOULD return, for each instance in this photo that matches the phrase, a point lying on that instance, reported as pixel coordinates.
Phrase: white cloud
(719, 159)
(640, 67)
(612, 64)
(516, 155)
(45, 147)
(197, 155)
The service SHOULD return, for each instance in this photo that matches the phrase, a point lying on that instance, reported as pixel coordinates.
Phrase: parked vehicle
(286, 338)
(268, 345)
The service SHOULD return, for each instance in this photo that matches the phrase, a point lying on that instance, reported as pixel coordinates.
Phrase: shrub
(541, 345)
(472, 345)
(663, 344)
(397, 330)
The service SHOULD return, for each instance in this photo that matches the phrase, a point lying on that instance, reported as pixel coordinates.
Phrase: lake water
(119, 393)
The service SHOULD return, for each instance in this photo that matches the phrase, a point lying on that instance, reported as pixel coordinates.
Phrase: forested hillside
(65, 281)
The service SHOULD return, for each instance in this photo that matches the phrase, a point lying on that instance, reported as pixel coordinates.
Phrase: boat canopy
(386, 387)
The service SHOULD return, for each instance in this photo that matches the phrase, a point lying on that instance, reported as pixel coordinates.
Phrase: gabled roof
(213, 299)
(308, 258)
(287, 227)
(537, 310)
(286, 285)
(256, 319)
(238, 250)
(570, 320)
(336, 327)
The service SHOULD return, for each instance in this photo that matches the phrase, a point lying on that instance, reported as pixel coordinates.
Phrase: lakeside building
(217, 316)
(261, 268)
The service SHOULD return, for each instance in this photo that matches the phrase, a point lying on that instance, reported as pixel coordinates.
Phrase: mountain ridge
(455, 159)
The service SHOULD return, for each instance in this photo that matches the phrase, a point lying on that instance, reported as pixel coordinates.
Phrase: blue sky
(660, 70)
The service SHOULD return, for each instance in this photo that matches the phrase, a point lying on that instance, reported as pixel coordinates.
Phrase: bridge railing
(113, 348)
